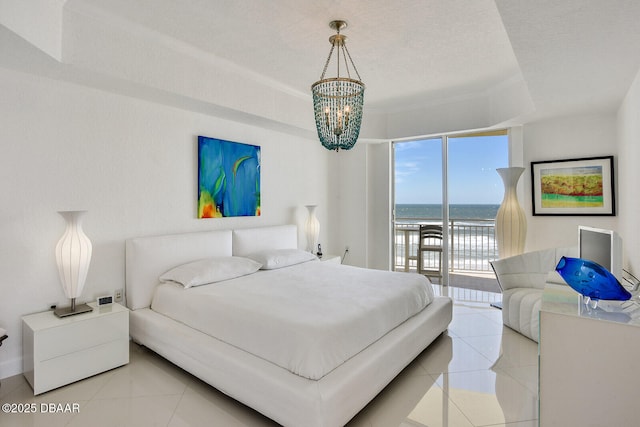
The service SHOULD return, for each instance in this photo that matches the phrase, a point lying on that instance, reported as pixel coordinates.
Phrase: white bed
(328, 388)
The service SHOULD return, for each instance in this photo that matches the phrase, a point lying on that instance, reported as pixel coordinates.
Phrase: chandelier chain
(326, 64)
(338, 56)
(352, 63)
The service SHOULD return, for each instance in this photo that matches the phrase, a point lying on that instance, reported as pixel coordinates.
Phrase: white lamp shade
(312, 229)
(511, 222)
(73, 254)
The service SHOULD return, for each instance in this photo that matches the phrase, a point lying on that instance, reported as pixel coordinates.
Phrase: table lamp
(312, 228)
(73, 255)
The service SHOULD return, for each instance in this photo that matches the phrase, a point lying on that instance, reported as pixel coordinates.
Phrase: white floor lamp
(511, 222)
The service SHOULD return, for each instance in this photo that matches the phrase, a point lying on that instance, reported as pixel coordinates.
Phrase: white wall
(380, 236)
(360, 188)
(133, 165)
(38, 21)
(496, 105)
(565, 138)
(348, 204)
(629, 175)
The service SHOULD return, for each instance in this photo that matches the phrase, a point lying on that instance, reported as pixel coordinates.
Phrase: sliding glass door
(451, 181)
(418, 193)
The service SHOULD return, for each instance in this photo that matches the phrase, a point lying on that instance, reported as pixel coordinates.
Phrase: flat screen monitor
(601, 246)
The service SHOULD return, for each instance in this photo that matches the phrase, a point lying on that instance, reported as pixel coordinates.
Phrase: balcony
(472, 246)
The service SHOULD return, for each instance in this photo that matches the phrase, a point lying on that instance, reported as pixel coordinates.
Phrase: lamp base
(71, 311)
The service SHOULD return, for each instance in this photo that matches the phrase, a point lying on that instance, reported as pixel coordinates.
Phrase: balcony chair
(522, 279)
(430, 243)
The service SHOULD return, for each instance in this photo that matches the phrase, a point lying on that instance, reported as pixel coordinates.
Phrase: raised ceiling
(520, 60)
(419, 50)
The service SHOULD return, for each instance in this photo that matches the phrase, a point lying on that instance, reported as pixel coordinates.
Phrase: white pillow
(278, 258)
(210, 270)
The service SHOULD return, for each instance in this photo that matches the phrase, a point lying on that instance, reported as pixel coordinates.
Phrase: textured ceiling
(499, 61)
(405, 52)
(577, 55)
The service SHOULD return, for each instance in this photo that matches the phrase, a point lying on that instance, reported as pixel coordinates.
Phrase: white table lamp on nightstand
(312, 229)
(73, 255)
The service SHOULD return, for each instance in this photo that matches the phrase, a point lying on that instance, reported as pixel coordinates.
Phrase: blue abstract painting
(228, 178)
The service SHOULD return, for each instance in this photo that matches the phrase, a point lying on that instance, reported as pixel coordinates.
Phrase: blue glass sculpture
(591, 280)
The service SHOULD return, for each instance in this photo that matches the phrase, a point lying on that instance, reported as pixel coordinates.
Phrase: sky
(472, 170)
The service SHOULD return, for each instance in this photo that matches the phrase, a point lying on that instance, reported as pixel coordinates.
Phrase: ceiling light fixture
(338, 101)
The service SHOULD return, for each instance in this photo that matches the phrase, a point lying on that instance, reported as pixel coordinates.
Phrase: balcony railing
(472, 244)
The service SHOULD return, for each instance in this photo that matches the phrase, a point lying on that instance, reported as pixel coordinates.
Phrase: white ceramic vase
(312, 229)
(511, 223)
(73, 255)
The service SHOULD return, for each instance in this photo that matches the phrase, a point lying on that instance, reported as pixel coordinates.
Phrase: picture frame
(228, 178)
(577, 187)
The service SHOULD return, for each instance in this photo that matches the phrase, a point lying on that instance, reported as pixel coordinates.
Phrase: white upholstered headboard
(250, 240)
(147, 258)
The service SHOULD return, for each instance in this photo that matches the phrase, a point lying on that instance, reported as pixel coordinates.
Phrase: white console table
(59, 351)
(588, 361)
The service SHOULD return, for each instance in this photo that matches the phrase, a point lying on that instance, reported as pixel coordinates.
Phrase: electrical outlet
(117, 295)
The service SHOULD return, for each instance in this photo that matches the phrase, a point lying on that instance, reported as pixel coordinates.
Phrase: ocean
(434, 211)
(473, 235)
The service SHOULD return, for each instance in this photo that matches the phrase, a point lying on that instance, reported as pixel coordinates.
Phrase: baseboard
(9, 368)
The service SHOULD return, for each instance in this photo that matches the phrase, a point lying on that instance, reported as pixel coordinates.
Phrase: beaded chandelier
(338, 101)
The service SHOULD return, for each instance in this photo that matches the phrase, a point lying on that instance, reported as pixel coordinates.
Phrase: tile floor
(479, 374)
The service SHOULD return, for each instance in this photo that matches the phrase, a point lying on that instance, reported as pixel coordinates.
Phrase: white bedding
(308, 318)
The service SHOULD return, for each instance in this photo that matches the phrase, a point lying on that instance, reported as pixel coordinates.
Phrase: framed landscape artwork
(228, 178)
(573, 187)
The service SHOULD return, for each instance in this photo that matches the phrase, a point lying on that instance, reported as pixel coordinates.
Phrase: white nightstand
(58, 351)
(331, 258)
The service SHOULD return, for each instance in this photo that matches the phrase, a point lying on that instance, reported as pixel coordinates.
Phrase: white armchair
(522, 279)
